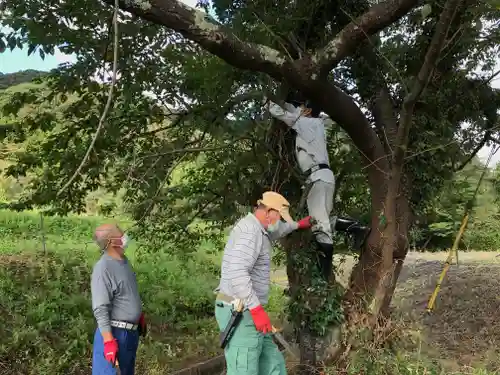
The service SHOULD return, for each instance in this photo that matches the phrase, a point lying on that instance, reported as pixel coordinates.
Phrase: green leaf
(31, 49)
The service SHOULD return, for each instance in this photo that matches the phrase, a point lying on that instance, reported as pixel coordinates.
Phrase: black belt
(316, 168)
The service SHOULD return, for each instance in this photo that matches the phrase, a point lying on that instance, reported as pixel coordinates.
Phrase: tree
(439, 220)
(336, 54)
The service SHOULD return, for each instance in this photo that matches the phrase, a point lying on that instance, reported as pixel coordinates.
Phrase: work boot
(353, 229)
(325, 259)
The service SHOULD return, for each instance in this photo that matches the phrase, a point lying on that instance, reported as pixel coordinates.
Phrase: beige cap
(277, 202)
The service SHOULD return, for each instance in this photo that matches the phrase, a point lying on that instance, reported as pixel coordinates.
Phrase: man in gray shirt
(116, 305)
(245, 275)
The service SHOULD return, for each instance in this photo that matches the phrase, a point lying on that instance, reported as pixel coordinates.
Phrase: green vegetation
(13, 79)
(48, 324)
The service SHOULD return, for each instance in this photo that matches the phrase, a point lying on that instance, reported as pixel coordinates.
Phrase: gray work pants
(320, 206)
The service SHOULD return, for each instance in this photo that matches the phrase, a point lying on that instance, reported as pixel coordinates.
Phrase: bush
(483, 235)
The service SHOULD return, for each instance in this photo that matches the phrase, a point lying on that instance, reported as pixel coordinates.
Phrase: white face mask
(125, 240)
(273, 227)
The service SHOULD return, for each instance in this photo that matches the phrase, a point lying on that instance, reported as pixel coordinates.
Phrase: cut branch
(201, 28)
(374, 20)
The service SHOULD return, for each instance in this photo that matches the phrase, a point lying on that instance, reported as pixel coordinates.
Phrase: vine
(314, 304)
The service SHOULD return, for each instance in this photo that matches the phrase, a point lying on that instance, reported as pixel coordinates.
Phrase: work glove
(143, 328)
(111, 351)
(305, 223)
(261, 319)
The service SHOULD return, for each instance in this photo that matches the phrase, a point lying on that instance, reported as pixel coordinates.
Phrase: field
(48, 325)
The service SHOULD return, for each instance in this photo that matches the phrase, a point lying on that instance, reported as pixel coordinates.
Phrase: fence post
(42, 229)
(44, 246)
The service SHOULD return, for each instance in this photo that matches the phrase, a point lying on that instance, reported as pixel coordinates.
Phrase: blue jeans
(128, 341)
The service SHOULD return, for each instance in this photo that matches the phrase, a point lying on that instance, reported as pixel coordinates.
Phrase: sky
(18, 59)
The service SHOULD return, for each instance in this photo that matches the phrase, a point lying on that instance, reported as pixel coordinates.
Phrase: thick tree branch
(374, 20)
(421, 81)
(199, 27)
(390, 234)
(385, 120)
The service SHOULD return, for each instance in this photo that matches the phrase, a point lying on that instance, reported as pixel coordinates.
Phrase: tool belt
(125, 325)
(316, 168)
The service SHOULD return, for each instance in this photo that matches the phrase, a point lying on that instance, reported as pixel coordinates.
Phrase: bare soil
(464, 327)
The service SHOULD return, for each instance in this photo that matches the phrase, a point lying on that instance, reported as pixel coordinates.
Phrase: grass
(48, 324)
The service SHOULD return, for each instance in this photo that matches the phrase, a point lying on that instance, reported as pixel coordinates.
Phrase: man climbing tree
(312, 157)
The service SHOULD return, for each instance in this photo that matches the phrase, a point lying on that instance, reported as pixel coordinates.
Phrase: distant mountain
(12, 79)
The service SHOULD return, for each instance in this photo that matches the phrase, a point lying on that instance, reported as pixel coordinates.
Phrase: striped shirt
(310, 144)
(246, 263)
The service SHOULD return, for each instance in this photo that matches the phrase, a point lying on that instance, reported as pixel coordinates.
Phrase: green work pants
(249, 352)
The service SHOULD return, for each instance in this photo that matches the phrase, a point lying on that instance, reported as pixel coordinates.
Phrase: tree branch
(217, 113)
(422, 80)
(390, 207)
(474, 152)
(374, 20)
(201, 28)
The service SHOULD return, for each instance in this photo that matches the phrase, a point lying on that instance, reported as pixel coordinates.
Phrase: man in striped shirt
(245, 274)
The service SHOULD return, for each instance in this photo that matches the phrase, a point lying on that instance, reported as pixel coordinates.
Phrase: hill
(23, 76)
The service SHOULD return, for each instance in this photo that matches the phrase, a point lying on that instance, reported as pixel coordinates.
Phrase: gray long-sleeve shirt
(246, 263)
(115, 295)
(310, 142)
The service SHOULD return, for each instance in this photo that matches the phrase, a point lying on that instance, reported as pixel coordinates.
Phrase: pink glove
(261, 319)
(305, 223)
(111, 351)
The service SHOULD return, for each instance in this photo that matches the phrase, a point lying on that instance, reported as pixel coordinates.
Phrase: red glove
(111, 351)
(305, 223)
(261, 319)
(142, 325)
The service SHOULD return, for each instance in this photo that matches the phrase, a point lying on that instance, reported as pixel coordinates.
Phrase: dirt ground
(464, 328)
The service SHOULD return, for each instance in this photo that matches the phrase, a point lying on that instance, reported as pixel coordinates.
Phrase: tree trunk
(314, 305)
(372, 282)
